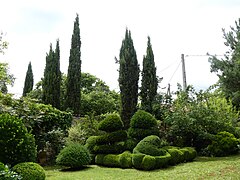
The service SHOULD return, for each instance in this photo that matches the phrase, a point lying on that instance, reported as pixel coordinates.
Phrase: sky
(189, 27)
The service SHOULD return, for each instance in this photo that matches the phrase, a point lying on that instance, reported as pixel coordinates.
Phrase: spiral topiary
(111, 123)
(74, 156)
(30, 171)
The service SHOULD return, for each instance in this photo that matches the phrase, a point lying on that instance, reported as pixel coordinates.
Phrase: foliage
(7, 174)
(111, 160)
(52, 78)
(195, 116)
(125, 160)
(224, 144)
(149, 80)
(73, 87)
(17, 145)
(116, 148)
(5, 77)
(110, 138)
(28, 83)
(111, 123)
(177, 156)
(128, 79)
(30, 170)
(74, 155)
(90, 143)
(3, 44)
(227, 69)
(142, 124)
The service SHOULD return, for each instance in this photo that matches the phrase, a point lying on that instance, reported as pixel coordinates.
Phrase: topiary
(143, 120)
(125, 159)
(111, 123)
(162, 161)
(111, 160)
(177, 156)
(189, 153)
(30, 171)
(90, 143)
(223, 144)
(137, 160)
(130, 144)
(74, 156)
(17, 145)
(139, 134)
(115, 148)
(99, 159)
(148, 162)
(110, 138)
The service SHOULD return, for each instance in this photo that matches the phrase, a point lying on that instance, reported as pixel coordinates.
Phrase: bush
(112, 137)
(139, 134)
(111, 160)
(223, 144)
(115, 148)
(30, 171)
(148, 162)
(125, 160)
(111, 123)
(17, 145)
(143, 120)
(137, 160)
(8, 174)
(192, 153)
(177, 156)
(90, 143)
(162, 161)
(130, 144)
(99, 159)
(74, 156)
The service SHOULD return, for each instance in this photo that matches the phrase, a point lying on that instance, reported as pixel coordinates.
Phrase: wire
(164, 69)
(174, 72)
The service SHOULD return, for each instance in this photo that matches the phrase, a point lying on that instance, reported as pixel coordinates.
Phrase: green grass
(201, 168)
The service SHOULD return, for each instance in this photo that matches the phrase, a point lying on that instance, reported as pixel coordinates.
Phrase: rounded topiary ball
(30, 171)
(143, 120)
(111, 123)
(74, 156)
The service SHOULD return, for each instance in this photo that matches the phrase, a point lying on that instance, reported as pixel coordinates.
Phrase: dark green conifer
(73, 86)
(149, 80)
(128, 79)
(28, 84)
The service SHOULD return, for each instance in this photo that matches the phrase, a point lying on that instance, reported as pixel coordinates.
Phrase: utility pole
(184, 73)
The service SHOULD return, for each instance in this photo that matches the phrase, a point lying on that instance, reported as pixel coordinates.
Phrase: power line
(175, 71)
(167, 67)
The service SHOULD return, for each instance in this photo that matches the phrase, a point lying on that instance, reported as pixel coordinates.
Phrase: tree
(52, 78)
(149, 80)
(28, 84)
(73, 88)
(128, 79)
(227, 69)
(3, 44)
(5, 78)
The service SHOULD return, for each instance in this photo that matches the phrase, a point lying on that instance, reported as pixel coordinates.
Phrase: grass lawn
(201, 168)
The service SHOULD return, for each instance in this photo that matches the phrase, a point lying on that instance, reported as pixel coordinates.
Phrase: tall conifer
(128, 79)
(149, 80)
(28, 84)
(73, 86)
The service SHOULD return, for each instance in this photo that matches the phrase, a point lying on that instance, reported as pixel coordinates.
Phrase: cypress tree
(28, 84)
(73, 85)
(52, 77)
(149, 80)
(128, 79)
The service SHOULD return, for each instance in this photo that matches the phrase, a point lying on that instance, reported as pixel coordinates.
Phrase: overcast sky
(190, 27)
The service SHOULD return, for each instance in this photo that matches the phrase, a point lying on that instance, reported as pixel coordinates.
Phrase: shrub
(143, 120)
(8, 174)
(115, 148)
(111, 123)
(111, 160)
(112, 137)
(223, 144)
(90, 143)
(162, 161)
(130, 144)
(137, 160)
(99, 159)
(17, 145)
(74, 156)
(148, 162)
(192, 153)
(177, 156)
(125, 159)
(30, 171)
(139, 134)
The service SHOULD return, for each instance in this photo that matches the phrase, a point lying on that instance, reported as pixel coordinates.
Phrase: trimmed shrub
(111, 123)
(115, 148)
(112, 137)
(111, 160)
(192, 153)
(148, 162)
(125, 159)
(143, 120)
(8, 174)
(177, 156)
(137, 160)
(17, 145)
(90, 143)
(130, 144)
(99, 159)
(139, 134)
(162, 161)
(223, 144)
(74, 156)
(30, 171)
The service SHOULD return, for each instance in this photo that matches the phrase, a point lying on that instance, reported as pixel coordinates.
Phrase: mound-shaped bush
(223, 144)
(111, 123)
(148, 154)
(125, 160)
(30, 171)
(177, 156)
(112, 137)
(115, 148)
(17, 145)
(142, 124)
(143, 120)
(74, 156)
